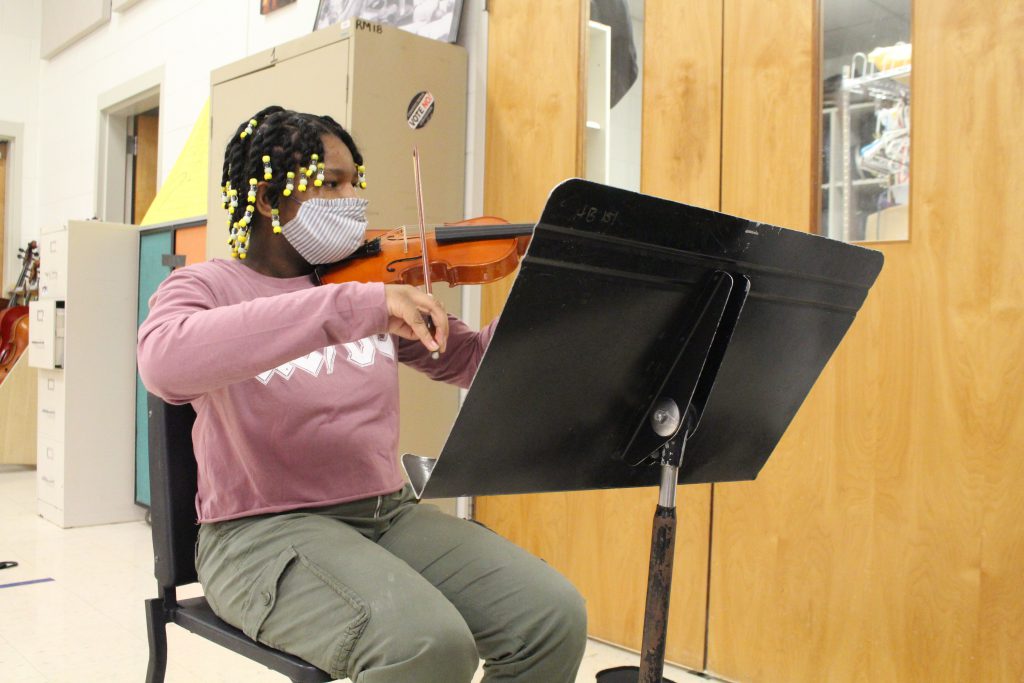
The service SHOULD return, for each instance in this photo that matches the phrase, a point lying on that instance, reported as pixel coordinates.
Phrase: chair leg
(156, 625)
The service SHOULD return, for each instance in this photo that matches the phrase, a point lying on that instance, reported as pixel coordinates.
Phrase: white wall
(187, 39)
(19, 55)
(56, 99)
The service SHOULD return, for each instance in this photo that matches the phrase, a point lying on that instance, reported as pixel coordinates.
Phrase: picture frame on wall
(437, 19)
(268, 6)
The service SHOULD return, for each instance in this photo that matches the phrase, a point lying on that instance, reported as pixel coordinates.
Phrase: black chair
(172, 471)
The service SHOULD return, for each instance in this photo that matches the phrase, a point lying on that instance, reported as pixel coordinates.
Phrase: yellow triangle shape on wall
(184, 192)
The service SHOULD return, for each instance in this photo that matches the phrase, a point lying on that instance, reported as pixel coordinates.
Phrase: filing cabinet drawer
(50, 472)
(51, 389)
(50, 418)
(46, 334)
(53, 265)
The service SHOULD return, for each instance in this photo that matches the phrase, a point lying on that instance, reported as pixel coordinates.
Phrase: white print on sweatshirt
(361, 353)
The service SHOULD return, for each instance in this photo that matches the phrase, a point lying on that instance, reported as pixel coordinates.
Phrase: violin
(470, 252)
(14, 318)
(474, 251)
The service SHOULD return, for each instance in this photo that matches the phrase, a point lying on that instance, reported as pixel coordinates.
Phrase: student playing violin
(309, 540)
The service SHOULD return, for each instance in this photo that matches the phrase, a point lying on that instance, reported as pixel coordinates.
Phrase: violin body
(13, 338)
(476, 251)
(13, 318)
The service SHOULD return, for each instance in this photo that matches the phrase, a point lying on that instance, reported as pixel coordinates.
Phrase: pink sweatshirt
(295, 386)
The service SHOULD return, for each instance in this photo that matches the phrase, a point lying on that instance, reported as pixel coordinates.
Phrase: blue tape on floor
(25, 583)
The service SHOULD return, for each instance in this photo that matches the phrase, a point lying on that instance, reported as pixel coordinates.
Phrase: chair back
(172, 480)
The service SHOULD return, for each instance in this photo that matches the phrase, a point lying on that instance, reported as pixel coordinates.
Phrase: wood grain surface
(884, 539)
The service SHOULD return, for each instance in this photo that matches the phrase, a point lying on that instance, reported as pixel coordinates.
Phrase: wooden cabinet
(84, 333)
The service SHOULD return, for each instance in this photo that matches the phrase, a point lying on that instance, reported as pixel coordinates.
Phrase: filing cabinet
(82, 340)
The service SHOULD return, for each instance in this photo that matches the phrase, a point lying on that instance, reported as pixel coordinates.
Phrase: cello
(14, 319)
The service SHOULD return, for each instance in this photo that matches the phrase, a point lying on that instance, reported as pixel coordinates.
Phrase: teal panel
(152, 271)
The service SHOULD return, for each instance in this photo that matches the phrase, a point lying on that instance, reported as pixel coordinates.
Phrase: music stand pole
(659, 575)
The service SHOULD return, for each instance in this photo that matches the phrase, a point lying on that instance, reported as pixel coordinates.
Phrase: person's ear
(263, 206)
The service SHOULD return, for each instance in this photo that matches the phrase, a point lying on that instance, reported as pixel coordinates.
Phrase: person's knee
(568, 615)
(557, 625)
(438, 650)
(445, 653)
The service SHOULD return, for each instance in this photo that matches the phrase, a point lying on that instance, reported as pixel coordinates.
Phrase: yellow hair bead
(248, 129)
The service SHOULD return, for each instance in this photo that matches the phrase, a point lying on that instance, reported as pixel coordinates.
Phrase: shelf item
(883, 162)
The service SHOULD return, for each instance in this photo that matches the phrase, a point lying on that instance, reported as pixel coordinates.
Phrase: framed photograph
(437, 19)
(268, 6)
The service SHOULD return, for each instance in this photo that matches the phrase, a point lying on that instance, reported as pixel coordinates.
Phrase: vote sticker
(420, 109)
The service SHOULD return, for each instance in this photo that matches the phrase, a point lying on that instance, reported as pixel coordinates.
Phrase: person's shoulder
(212, 278)
(214, 270)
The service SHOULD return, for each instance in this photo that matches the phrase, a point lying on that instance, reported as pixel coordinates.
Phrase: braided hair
(273, 146)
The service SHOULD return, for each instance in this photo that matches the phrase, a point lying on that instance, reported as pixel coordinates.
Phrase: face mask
(327, 230)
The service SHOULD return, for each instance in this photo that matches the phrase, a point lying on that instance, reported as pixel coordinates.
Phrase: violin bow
(423, 238)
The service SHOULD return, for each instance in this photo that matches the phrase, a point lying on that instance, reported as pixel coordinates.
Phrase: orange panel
(192, 243)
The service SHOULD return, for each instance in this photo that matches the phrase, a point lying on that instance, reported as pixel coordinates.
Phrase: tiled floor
(78, 617)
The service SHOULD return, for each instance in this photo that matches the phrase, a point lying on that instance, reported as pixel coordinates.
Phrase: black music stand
(633, 321)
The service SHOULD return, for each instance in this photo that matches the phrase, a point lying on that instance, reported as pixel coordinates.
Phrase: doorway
(129, 157)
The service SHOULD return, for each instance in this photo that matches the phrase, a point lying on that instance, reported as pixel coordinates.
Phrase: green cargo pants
(390, 590)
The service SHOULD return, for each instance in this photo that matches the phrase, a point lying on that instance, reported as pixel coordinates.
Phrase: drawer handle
(39, 342)
(47, 480)
(48, 411)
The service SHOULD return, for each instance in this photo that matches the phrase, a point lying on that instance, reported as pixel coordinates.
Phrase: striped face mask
(327, 230)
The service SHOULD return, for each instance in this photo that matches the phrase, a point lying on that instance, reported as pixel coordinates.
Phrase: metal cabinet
(82, 339)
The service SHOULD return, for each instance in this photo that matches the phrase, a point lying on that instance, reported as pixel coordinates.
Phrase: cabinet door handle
(47, 479)
(39, 342)
(48, 411)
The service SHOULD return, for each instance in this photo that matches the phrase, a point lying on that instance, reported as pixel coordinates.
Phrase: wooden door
(883, 541)
(601, 539)
(144, 163)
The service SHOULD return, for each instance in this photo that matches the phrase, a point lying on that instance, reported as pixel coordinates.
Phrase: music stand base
(622, 674)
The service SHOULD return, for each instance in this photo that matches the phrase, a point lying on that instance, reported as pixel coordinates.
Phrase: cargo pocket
(263, 595)
(299, 607)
